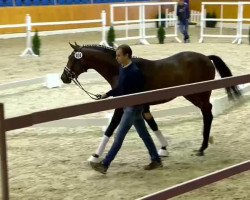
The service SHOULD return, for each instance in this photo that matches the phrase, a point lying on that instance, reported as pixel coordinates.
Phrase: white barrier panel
(238, 22)
(53, 80)
(141, 21)
(29, 25)
(195, 17)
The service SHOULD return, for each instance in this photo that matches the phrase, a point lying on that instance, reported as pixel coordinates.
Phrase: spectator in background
(183, 14)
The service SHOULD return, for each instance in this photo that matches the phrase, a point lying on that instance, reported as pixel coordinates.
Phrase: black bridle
(72, 76)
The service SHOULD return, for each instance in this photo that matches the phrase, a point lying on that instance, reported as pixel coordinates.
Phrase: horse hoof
(200, 153)
(211, 140)
(163, 153)
(94, 159)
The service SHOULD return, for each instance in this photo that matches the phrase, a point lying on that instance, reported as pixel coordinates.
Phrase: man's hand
(102, 96)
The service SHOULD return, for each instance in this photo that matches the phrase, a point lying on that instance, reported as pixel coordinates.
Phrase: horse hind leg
(207, 122)
(202, 101)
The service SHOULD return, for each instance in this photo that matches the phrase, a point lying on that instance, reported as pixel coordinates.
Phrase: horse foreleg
(115, 121)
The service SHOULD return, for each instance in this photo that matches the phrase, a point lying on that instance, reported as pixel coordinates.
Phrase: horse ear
(74, 47)
(78, 46)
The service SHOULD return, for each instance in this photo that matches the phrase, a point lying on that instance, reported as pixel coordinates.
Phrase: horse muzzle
(65, 79)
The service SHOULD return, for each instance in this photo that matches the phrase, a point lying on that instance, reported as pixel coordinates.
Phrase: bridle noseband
(70, 74)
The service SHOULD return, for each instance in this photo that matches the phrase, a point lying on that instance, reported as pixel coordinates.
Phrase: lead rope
(96, 96)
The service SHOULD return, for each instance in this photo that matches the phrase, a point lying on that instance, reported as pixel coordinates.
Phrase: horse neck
(106, 66)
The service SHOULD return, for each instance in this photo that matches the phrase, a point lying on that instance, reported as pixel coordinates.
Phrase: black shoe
(186, 40)
(153, 165)
(100, 167)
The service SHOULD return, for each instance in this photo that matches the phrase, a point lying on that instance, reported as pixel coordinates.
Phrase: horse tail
(224, 71)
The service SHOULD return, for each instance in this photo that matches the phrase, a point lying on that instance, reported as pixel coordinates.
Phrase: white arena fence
(195, 17)
(29, 24)
(141, 22)
(107, 104)
(238, 23)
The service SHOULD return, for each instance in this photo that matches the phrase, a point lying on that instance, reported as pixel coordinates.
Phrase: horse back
(179, 69)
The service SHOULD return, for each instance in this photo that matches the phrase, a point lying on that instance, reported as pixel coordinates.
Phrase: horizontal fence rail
(198, 182)
(117, 102)
(106, 104)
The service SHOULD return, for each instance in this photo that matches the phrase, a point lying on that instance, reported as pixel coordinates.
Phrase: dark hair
(126, 50)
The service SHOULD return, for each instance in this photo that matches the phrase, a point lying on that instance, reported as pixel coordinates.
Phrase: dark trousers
(183, 26)
(131, 116)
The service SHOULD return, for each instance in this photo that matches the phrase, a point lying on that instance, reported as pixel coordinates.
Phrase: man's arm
(178, 11)
(187, 7)
(113, 92)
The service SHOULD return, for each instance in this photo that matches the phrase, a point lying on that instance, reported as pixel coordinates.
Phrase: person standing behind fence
(183, 14)
(130, 81)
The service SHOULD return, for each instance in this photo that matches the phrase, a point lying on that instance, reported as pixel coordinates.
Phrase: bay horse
(179, 69)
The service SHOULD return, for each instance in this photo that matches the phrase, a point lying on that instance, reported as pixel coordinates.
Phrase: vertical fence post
(203, 17)
(174, 16)
(159, 16)
(3, 153)
(140, 23)
(167, 16)
(240, 20)
(28, 50)
(126, 19)
(111, 15)
(221, 16)
(238, 38)
(143, 18)
(103, 17)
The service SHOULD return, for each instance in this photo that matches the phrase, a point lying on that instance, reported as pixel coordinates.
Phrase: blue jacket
(183, 12)
(131, 80)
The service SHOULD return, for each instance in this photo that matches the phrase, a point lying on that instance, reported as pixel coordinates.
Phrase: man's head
(123, 54)
(181, 2)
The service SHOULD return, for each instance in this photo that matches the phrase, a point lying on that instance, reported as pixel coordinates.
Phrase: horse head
(75, 65)
(100, 58)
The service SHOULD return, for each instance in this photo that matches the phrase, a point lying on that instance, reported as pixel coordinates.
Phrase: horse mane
(105, 49)
(109, 50)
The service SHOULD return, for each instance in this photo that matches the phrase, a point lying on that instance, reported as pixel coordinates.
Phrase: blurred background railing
(10, 3)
